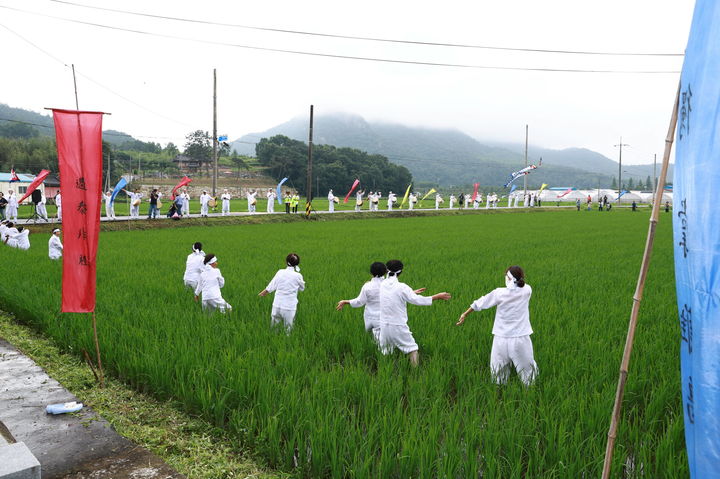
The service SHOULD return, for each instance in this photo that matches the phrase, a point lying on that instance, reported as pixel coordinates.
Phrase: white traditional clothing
(193, 268)
(394, 330)
(374, 201)
(438, 200)
(251, 201)
(511, 331)
(286, 283)
(58, 204)
(510, 198)
(271, 196)
(11, 237)
(204, 200)
(185, 210)
(40, 208)
(370, 298)
(109, 206)
(358, 200)
(391, 199)
(517, 200)
(3, 231)
(208, 287)
(11, 210)
(134, 209)
(22, 239)
(526, 200)
(452, 201)
(468, 198)
(331, 201)
(532, 200)
(225, 197)
(55, 247)
(412, 200)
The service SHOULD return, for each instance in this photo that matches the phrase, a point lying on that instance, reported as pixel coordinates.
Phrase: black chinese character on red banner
(80, 183)
(83, 261)
(82, 208)
(82, 234)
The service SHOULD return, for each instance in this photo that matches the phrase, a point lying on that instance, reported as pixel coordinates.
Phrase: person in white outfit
(252, 201)
(391, 200)
(109, 206)
(394, 296)
(532, 200)
(331, 201)
(194, 265)
(412, 199)
(358, 200)
(20, 238)
(526, 200)
(209, 284)
(185, 210)
(40, 207)
(11, 211)
(271, 196)
(55, 247)
(438, 200)
(511, 330)
(374, 201)
(135, 196)
(286, 284)
(9, 235)
(225, 197)
(3, 230)
(517, 200)
(204, 203)
(370, 298)
(453, 200)
(467, 201)
(58, 205)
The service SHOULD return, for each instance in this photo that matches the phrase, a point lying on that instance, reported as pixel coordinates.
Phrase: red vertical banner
(79, 143)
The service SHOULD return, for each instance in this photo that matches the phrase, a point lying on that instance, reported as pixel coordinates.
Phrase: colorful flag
(525, 171)
(620, 195)
(13, 176)
(354, 185)
(696, 234)
(475, 191)
(432, 190)
(184, 182)
(118, 188)
(35, 183)
(79, 143)
(279, 190)
(407, 193)
(513, 188)
(565, 192)
(544, 185)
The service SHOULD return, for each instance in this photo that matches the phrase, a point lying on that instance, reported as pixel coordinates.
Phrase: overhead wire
(338, 56)
(363, 38)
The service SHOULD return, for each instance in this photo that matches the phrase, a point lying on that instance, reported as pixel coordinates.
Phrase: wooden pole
(637, 297)
(309, 168)
(77, 107)
(215, 140)
(526, 148)
(97, 351)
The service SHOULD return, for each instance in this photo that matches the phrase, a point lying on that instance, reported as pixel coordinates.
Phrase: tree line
(333, 168)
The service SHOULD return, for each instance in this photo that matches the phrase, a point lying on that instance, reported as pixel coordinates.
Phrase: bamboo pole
(637, 297)
(97, 351)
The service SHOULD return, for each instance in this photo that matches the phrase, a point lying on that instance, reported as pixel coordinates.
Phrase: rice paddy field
(323, 402)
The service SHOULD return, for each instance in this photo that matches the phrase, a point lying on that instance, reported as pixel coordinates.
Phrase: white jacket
(286, 283)
(370, 298)
(512, 317)
(55, 247)
(394, 297)
(211, 280)
(194, 266)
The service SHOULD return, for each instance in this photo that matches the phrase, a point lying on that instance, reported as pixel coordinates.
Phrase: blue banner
(514, 187)
(696, 238)
(120, 185)
(279, 193)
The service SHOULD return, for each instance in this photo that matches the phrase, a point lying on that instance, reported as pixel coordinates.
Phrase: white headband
(56, 230)
(214, 260)
(511, 277)
(395, 273)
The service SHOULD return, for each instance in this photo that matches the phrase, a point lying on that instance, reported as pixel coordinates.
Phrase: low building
(187, 164)
(19, 187)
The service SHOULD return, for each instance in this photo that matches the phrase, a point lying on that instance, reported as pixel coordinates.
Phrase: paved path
(79, 446)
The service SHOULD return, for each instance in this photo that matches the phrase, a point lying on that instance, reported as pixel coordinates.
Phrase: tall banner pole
(308, 203)
(637, 297)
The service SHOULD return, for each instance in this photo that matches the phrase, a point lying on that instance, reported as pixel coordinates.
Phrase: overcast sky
(159, 88)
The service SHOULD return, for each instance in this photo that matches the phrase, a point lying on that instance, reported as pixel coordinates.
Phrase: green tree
(171, 150)
(648, 183)
(18, 130)
(614, 184)
(631, 185)
(198, 146)
(239, 162)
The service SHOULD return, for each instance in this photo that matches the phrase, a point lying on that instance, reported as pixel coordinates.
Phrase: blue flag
(120, 185)
(696, 239)
(514, 187)
(279, 193)
(620, 195)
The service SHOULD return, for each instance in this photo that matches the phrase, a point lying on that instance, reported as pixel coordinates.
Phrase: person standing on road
(331, 201)
(252, 200)
(225, 197)
(109, 206)
(58, 205)
(288, 201)
(154, 196)
(271, 200)
(3, 205)
(204, 203)
(12, 206)
(511, 331)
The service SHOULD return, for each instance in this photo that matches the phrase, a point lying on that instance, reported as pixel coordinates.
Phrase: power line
(105, 133)
(345, 57)
(362, 38)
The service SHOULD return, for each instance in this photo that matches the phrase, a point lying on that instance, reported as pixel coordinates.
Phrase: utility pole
(526, 148)
(215, 140)
(309, 168)
(621, 144)
(655, 173)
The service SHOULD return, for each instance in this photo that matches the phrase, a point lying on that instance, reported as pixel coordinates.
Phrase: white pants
(226, 207)
(331, 206)
(12, 212)
(357, 207)
(59, 213)
(41, 210)
(411, 205)
(185, 208)
(251, 208)
(271, 206)
(396, 336)
(110, 211)
(507, 352)
(210, 305)
(134, 211)
(373, 326)
(204, 209)
(285, 316)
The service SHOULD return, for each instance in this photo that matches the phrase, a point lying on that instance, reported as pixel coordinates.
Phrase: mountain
(444, 157)
(44, 126)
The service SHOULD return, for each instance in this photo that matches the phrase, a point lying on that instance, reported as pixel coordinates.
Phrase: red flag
(13, 176)
(565, 193)
(36, 182)
(475, 191)
(185, 181)
(357, 182)
(79, 142)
